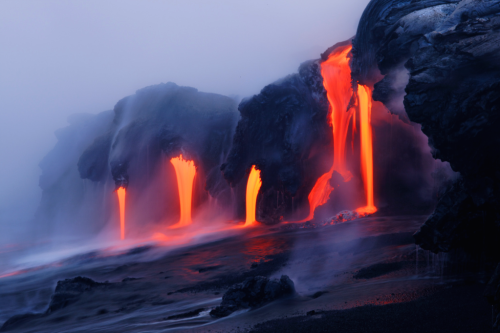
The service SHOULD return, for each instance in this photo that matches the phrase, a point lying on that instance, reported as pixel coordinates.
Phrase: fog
(59, 58)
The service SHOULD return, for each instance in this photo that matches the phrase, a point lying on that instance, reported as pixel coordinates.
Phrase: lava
(336, 74)
(337, 82)
(253, 186)
(120, 192)
(185, 172)
(365, 110)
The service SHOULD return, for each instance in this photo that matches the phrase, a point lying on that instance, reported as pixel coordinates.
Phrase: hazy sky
(64, 57)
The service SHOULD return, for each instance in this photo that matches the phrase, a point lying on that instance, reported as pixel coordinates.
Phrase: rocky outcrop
(284, 131)
(451, 52)
(164, 120)
(252, 293)
(67, 292)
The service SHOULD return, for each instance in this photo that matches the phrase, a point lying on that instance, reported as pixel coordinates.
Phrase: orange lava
(336, 74)
(185, 172)
(253, 186)
(337, 82)
(365, 115)
(121, 201)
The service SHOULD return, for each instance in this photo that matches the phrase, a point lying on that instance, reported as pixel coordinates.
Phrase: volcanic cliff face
(131, 146)
(160, 122)
(451, 52)
(284, 131)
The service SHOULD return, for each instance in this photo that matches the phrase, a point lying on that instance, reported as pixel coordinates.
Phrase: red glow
(336, 74)
(365, 111)
(253, 186)
(185, 172)
(337, 82)
(121, 201)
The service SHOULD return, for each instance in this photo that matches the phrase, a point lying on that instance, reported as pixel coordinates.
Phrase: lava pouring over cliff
(185, 172)
(336, 74)
(121, 193)
(253, 186)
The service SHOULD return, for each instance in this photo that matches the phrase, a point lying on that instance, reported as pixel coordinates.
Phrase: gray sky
(64, 57)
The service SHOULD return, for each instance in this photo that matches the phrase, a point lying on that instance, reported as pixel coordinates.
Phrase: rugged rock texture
(69, 291)
(164, 120)
(284, 131)
(252, 293)
(451, 52)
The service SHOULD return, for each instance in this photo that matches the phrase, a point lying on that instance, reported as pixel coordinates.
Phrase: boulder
(252, 293)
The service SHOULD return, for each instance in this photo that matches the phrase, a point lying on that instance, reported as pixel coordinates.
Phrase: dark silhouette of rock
(252, 293)
(451, 52)
(67, 292)
(284, 131)
(159, 121)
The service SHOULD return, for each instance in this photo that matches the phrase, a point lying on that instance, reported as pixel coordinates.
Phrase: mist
(60, 58)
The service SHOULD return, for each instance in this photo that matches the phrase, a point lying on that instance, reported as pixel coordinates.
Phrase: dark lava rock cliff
(167, 119)
(451, 52)
(284, 131)
(252, 293)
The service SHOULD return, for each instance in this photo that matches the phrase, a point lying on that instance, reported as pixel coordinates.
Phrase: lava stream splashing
(185, 172)
(365, 110)
(337, 82)
(336, 74)
(253, 186)
(120, 192)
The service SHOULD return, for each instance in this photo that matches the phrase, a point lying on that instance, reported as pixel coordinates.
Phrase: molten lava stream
(365, 114)
(185, 172)
(337, 82)
(120, 192)
(253, 186)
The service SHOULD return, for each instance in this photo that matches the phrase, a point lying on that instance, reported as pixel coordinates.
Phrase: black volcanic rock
(284, 132)
(67, 292)
(454, 92)
(451, 50)
(252, 293)
(164, 120)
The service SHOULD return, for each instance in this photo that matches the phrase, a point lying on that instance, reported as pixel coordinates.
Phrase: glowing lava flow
(120, 192)
(365, 111)
(337, 82)
(253, 186)
(336, 74)
(185, 172)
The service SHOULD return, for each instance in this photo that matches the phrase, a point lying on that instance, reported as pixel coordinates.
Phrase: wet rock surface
(66, 293)
(252, 293)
